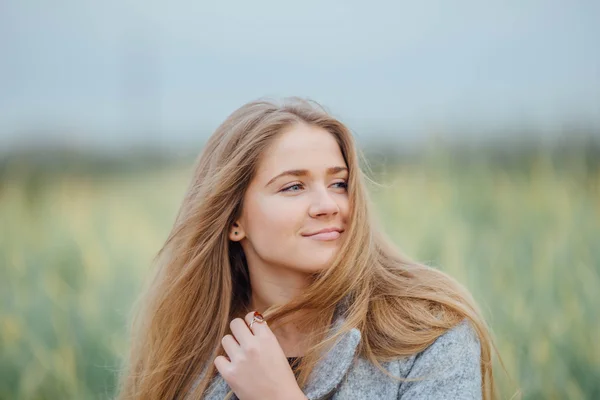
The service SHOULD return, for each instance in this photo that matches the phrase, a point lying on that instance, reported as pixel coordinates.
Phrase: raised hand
(257, 367)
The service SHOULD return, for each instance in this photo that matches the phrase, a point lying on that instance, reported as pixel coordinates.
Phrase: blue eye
(344, 185)
(287, 189)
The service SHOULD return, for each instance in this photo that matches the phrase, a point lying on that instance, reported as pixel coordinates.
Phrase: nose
(323, 203)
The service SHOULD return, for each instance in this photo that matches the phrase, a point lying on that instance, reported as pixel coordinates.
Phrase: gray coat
(449, 369)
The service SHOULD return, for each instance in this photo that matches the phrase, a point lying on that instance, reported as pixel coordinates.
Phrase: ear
(236, 232)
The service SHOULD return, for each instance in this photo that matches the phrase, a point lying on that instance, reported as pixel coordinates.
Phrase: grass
(75, 248)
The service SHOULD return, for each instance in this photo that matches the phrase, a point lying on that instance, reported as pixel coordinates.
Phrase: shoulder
(458, 342)
(449, 368)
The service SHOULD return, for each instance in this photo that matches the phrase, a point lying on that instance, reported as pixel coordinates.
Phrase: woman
(277, 221)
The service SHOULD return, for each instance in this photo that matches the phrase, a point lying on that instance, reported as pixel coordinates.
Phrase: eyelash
(345, 186)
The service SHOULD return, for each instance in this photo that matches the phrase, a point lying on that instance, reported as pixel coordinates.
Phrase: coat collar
(328, 372)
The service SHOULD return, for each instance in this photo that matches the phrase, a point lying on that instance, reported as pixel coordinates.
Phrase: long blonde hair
(201, 279)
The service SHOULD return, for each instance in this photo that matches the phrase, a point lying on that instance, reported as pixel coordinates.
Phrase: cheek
(344, 205)
(275, 220)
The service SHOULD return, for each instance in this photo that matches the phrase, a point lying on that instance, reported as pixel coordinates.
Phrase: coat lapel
(331, 368)
(325, 377)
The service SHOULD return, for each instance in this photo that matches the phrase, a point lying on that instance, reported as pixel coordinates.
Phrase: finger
(231, 346)
(241, 331)
(258, 327)
(222, 364)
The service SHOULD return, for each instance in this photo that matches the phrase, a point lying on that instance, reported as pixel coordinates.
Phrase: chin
(317, 261)
(317, 266)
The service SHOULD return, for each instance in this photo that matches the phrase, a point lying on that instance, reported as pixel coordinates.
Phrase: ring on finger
(257, 317)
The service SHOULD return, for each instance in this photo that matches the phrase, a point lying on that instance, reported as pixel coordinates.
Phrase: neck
(275, 286)
(271, 287)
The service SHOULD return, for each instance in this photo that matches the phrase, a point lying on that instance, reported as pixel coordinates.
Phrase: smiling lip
(326, 234)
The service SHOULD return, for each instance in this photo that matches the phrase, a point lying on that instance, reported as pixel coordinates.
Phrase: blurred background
(481, 120)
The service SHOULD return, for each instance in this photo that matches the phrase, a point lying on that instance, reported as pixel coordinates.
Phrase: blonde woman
(276, 282)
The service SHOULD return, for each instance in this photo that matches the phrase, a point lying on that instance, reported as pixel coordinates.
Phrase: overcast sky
(118, 72)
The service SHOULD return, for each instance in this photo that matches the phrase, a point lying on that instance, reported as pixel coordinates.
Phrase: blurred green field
(525, 239)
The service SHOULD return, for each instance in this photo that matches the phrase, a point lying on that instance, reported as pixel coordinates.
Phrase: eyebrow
(305, 172)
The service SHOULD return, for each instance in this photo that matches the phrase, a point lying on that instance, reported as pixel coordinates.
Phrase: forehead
(301, 147)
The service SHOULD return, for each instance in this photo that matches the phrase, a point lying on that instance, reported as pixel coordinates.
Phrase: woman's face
(300, 188)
